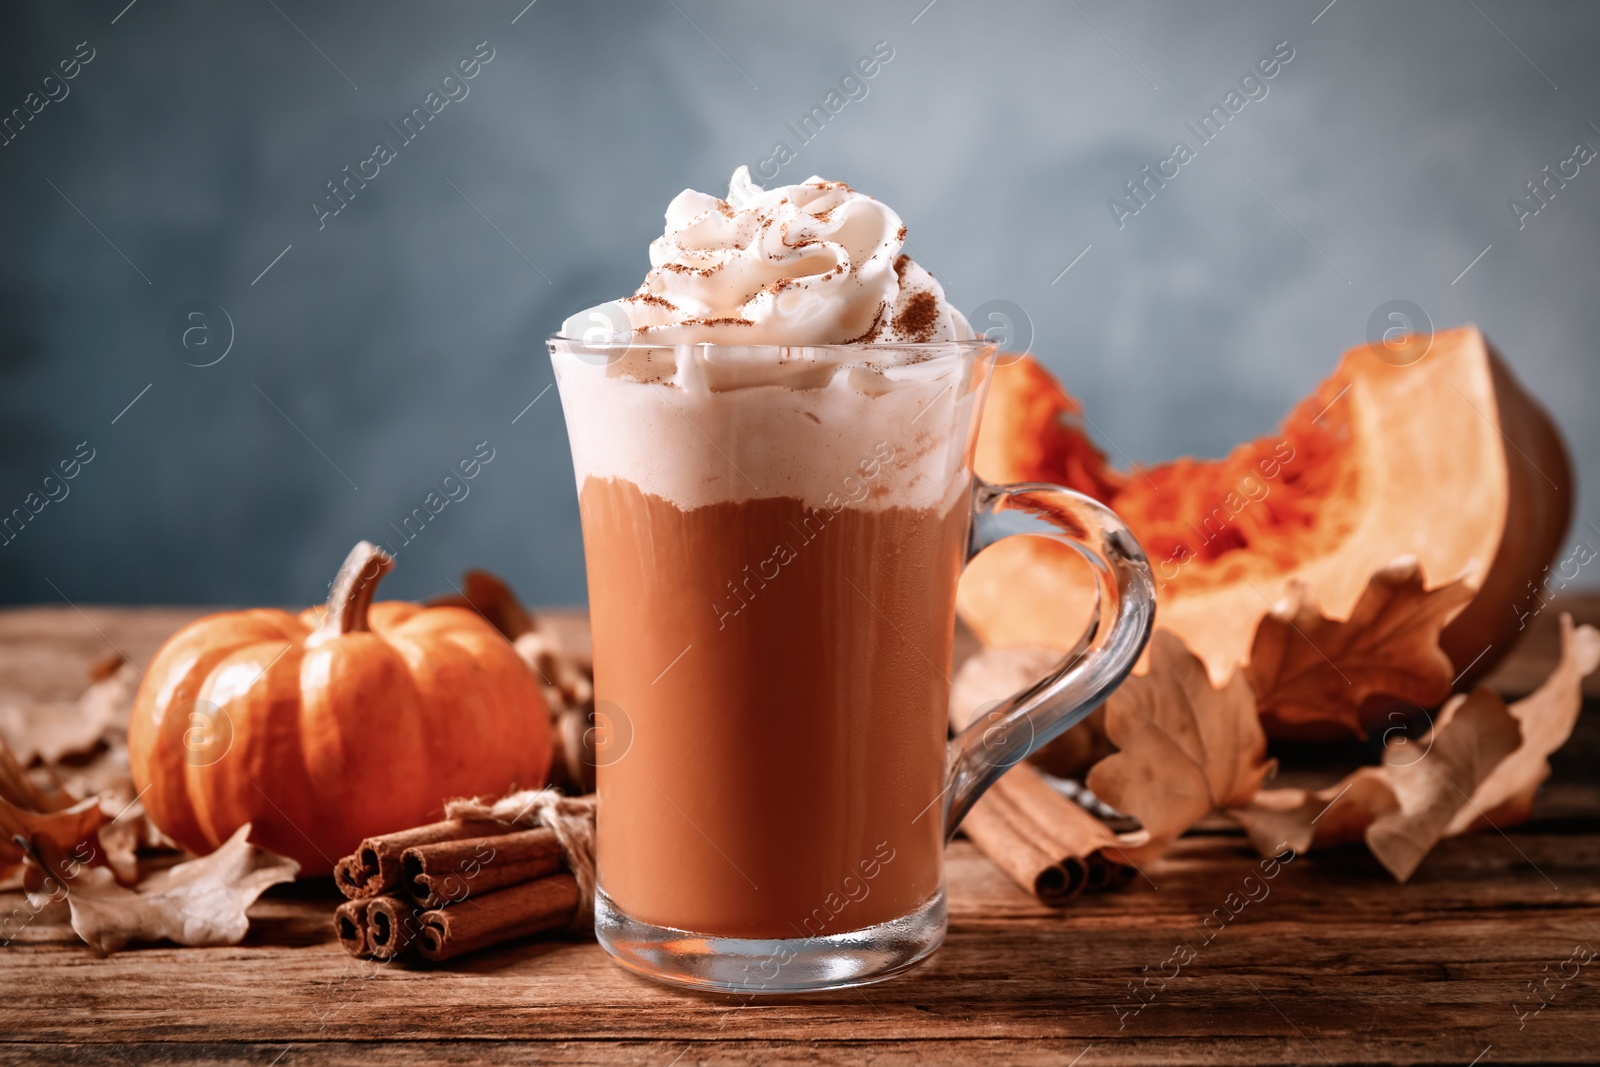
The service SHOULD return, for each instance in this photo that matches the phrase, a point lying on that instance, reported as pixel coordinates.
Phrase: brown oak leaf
(65, 828)
(1472, 734)
(119, 846)
(1184, 748)
(1546, 718)
(1307, 668)
(990, 675)
(96, 722)
(23, 792)
(201, 902)
(1402, 808)
(108, 777)
(49, 731)
(490, 596)
(1305, 819)
(28, 811)
(1479, 765)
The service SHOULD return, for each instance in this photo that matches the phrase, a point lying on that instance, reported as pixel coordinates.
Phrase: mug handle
(1124, 613)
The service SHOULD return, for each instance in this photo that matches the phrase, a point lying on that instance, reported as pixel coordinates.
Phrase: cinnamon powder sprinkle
(653, 300)
(900, 266)
(717, 322)
(900, 235)
(680, 268)
(920, 318)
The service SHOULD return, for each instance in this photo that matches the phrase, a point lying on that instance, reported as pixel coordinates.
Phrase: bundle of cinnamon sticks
(1046, 843)
(1049, 844)
(452, 887)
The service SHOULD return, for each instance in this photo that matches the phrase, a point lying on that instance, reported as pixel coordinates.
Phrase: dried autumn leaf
(491, 597)
(75, 810)
(1305, 819)
(27, 811)
(1307, 668)
(109, 698)
(66, 826)
(1470, 736)
(50, 731)
(98, 722)
(119, 846)
(21, 791)
(106, 775)
(995, 673)
(1402, 808)
(200, 902)
(1185, 749)
(1546, 718)
(1479, 765)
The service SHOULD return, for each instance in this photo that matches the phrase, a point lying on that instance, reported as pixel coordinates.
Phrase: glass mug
(773, 537)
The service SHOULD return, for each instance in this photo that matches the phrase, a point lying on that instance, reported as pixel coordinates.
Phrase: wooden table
(1337, 965)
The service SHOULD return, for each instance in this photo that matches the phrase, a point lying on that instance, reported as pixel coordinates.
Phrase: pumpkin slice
(1445, 461)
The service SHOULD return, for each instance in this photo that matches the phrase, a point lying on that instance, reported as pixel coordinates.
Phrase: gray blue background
(379, 350)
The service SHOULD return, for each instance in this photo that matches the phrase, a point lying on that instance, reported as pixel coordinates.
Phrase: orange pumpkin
(1425, 447)
(332, 725)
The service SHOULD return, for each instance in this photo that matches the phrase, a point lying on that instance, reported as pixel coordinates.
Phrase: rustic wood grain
(1337, 964)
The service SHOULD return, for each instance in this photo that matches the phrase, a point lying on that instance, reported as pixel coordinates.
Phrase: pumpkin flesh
(1446, 460)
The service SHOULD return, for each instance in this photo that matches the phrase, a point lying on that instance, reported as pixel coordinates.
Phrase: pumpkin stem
(353, 589)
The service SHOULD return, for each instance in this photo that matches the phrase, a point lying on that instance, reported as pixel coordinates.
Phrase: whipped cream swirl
(810, 264)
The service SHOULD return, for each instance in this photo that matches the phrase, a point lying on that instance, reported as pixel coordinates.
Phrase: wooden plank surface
(1337, 965)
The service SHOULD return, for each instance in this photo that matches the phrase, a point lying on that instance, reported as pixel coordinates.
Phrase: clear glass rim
(974, 344)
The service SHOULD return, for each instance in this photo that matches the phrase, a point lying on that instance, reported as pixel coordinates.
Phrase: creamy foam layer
(698, 426)
(812, 264)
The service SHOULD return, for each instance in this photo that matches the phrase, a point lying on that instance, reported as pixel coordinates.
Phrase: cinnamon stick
(1065, 825)
(376, 866)
(1106, 873)
(1045, 842)
(991, 824)
(392, 926)
(520, 910)
(448, 872)
(1052, 817)
(350, 923)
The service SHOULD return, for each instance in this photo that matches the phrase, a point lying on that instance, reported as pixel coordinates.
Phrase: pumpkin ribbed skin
(334, 736)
